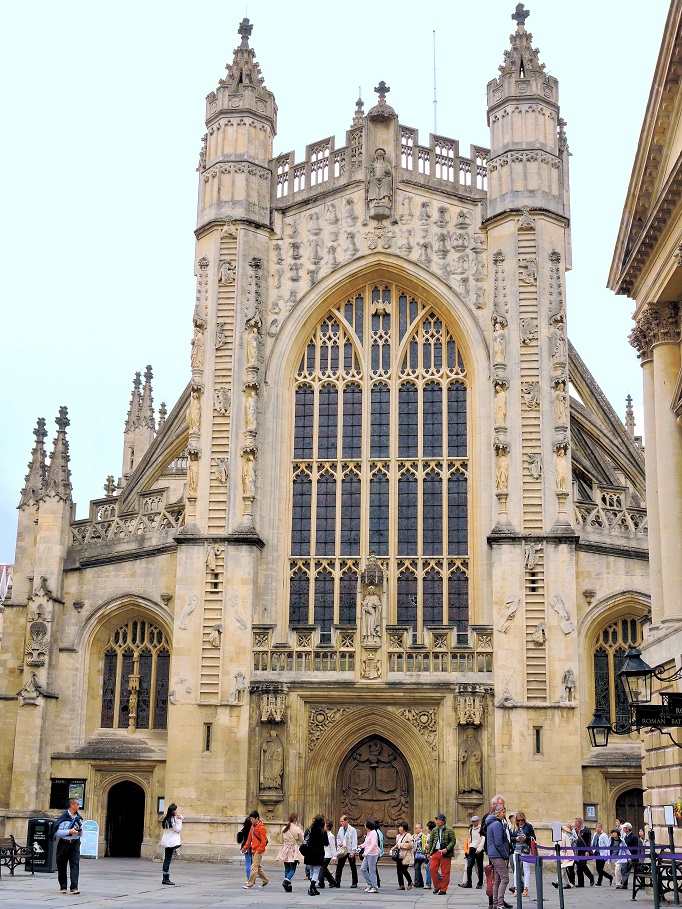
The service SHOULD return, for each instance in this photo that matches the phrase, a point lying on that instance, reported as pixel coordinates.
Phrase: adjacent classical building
(647, 267)
(388, 548)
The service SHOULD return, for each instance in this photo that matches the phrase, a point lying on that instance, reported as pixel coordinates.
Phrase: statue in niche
(557, 604)
(561, 470)
(314, 223)
(568, 681)
(271, 762)
(331, 215)
(470, 763)
(502, 471)
(529, 271)
(250, 411)
(380, 188)
(530, 555)
(194, 411)
(252, 335)
(248, 475)
(197, 358)
(222, 470)
(371, 617)
(557, 343)
(500, 403)
(499, 342)
(193, 473)
(560, 403)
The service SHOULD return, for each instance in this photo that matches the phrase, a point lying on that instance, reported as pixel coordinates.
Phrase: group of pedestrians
(612, 853)
(427, 855)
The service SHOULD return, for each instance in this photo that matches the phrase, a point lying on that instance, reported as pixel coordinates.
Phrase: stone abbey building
(388, 549)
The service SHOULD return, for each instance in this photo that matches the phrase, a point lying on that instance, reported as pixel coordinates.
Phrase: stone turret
(526, 165)
(140, 426)
(29, 503)
(241, 123)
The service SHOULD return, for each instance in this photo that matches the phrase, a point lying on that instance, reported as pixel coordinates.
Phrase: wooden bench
(12, 854)
(642, 877)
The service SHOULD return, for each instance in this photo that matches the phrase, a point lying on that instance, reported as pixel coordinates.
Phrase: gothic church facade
(388, 549)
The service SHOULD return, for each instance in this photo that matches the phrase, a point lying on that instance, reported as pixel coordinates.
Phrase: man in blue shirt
(68, 829)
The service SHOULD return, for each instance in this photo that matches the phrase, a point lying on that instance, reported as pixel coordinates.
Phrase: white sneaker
(247, 887)
(372, 890)
(367, 889)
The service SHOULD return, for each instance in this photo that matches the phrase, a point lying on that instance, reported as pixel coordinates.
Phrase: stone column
(655, 570)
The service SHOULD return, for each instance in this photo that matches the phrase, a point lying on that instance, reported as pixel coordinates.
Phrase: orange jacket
(257, 839)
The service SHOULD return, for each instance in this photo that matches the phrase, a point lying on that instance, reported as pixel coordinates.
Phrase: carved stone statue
(194, 412)
(470, 763)
(226, 272)
(197, 358)
(248, 475)
(380, 188)
(371, 617)
(502, 471)
(511, 606)
(271, 762)
(499, 342)
(560, 404)
(561, 470)
(568, 681)
(557, 343)
(193, 473)
(250, 418)
(252, 334)
(500, 404)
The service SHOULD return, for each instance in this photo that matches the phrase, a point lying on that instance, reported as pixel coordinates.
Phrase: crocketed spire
(146, 404)
(244, 69)
(34, 482)
(135, 404)
(523, 58)
(58, 483)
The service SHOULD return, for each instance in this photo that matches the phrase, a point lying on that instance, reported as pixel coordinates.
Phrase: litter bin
(42, 844)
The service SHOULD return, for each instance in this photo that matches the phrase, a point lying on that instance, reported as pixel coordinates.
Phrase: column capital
(655, 325)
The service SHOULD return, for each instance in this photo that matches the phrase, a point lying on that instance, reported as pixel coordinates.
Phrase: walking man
(257, 840)
(600, 847)
(68, 830)
(346, 850)
(442, 844)
(582, 842)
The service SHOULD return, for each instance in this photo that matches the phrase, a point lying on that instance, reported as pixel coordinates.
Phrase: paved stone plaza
(137, 883)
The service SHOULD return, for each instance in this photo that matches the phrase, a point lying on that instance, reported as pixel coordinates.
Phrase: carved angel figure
(511, 605)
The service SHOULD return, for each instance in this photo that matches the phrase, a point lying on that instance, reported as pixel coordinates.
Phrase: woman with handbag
(170, 839)
(312, 848)
(524, 834)
(329, 854)
(292, 837)
(419, 853)
(404, 855)
(370, 857)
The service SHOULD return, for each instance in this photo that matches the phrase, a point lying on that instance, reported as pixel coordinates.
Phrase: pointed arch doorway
(125, 820)
(375, 781)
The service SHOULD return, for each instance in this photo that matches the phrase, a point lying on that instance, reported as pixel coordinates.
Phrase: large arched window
(609, 649)
(135, 680)
(380, 462)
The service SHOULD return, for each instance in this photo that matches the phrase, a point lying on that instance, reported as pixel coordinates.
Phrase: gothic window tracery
(135, 677)
(610, 647)
(380, 461)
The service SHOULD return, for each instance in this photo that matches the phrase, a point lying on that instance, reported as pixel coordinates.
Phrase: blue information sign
(90, 839)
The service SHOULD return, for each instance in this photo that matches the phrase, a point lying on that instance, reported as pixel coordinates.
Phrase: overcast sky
(103, 108)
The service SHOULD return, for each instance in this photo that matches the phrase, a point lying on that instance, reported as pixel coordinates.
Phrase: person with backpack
(257, 840)
(473, 849)
(68, 829)
(292, 837)
(312, 848)
(170, 840)
(241, 840)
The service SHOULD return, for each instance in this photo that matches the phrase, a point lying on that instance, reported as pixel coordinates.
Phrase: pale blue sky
(103, 111)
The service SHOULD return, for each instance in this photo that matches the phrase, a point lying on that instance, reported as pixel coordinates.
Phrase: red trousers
(440, 863)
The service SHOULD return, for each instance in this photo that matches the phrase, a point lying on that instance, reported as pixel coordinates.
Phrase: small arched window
(135, 678)
(608, 655)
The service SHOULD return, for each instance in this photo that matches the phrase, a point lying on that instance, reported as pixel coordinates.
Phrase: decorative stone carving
(380, 186)
(229, 231)
(221, 335)
(215, 635)
(248, 455)
(525, 222)
(499, 342)
(250, 417)
(226, 272)
(320, 719)
(251, 343)
(470, 763)
(535, 464)
(528, 271)
(530, 555)
(506, 699)
(273, 704)
(33, 690)
(271, 763)
(238, 688)
(531, 394)
(191, 605)
(424, 720)
(501, 465)
(38, 646)
(500, 305)
(557, 346)
(539, 636)
(371, 617)
(561, 464)
(198, 348)
(556, 294)
(509, 610)
(222, 400)
(193, 454)
(212, 553)
(371, 667)
(568, 681)
(194, 411)
(528, 330)
(222, 470)
(501, 385)
(560, 399)
(234, 602)
(558, 605)
(470, 706)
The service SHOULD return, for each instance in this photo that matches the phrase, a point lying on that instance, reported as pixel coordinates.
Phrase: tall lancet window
(380, 462)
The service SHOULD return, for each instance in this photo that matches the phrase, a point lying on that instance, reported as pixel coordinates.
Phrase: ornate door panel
(375, 782)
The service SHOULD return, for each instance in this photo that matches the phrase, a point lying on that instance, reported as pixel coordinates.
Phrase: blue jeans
(247, 858)
(289, 870)
(427, 868)
(167, 856)
(315, 873)
(369, 869)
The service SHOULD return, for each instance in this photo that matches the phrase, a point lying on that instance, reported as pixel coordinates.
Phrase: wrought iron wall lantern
(637, 678)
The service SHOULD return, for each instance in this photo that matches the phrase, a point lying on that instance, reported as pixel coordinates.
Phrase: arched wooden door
(375, 782)
(630, 807)
(125, 820)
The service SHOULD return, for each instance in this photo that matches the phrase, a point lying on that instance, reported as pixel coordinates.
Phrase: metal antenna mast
(435, 120)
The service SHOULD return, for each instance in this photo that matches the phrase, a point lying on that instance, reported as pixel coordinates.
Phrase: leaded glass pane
(127, 669)
(407, 599)
(408, 417)
(352, 421)
(432, 514)
(350, 515)
(602, 696)
(298, 598)
(144, 695)
(432, 598)
(325, 516)
(109, 689)
(324, 600)
(328, 421)
(378, 514)
(433, 420)
(161, 690)
(622, 705)
(348, 587)
(458, 515)
(380, 425)
(407, 515)
(457, 420)
(303, 427)
(458, 600)
(300, 515)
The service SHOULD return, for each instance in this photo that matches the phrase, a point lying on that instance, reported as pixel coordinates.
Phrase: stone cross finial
(521, 15)
(382, 90)
(245, 29)
(110, 486)
(137, 381)
(148, 375)
(40, 432)
(62, 420)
